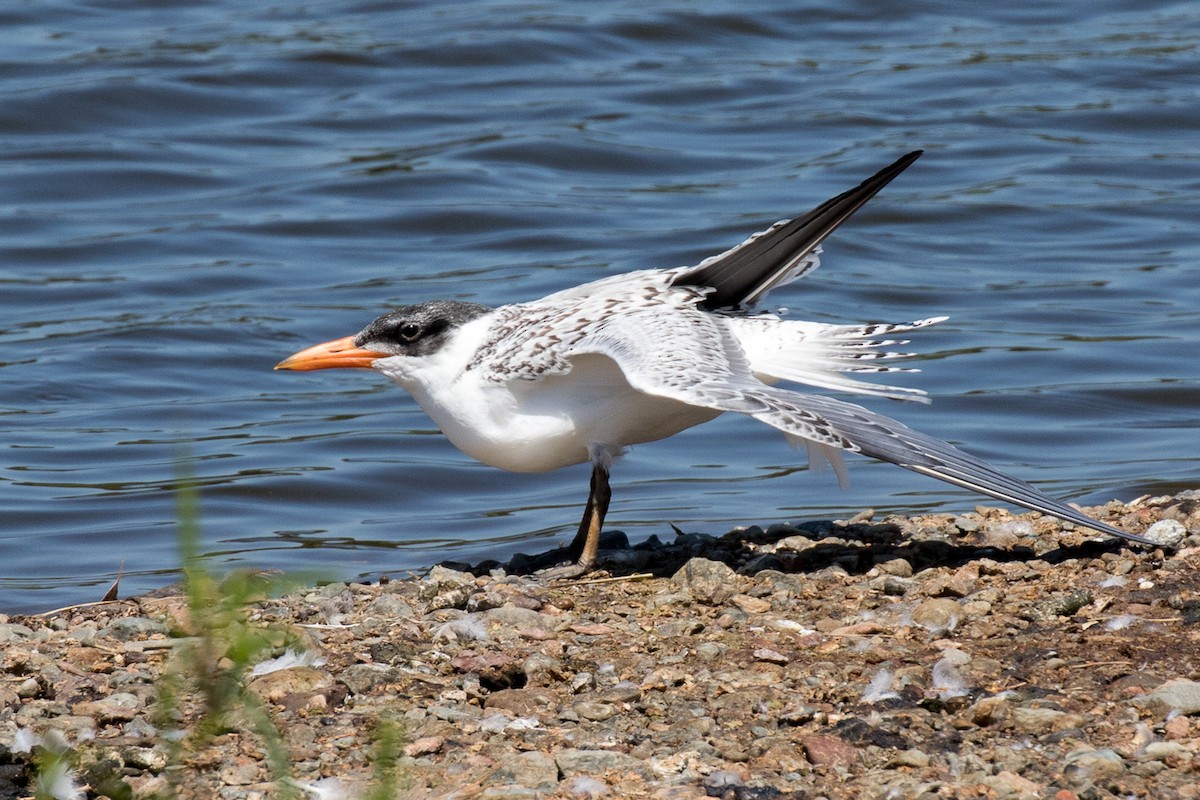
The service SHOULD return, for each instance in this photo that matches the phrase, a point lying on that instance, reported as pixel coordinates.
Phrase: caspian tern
(583, 373)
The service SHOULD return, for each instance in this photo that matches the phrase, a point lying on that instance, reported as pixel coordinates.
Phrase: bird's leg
(584, 546)
(587, 540)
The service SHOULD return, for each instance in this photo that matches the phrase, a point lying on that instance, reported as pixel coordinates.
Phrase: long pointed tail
(860, 430)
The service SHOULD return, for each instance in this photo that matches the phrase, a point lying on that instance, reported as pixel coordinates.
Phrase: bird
(582, 374)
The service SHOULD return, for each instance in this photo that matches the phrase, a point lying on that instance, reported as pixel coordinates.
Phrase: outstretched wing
(703, 365)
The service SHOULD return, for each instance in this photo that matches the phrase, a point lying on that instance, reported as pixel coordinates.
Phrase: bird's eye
(409, 331)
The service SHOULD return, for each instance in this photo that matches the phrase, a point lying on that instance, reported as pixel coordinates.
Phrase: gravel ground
(982, 656)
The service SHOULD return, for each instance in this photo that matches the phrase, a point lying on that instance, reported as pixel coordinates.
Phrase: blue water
(189, 194)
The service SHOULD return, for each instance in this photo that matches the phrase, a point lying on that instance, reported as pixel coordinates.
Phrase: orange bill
(338, 353)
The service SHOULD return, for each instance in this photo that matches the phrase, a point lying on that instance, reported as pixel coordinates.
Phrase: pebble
(1180, 695)
(709, 582)
(939, 616)
(534, 769)
(829, 751)
(572, 762)
(125, 629)
(1169, 533)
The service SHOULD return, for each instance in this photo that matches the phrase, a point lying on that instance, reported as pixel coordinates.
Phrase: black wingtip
(746, 273)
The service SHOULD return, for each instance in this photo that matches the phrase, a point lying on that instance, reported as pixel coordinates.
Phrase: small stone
(990, 710)
(278, 685)
(521, 702)
(1086, 767)
(1008, 785)
(572, 762)
(1178, 728)
(828, 751)
(1062, 605)
(770, 656)
(510, 792)
(596, 712)
(148, 758)
(955, 657)
(622, 692)
(898, 567)
(895, 586)
(586, 787)
(533, 769)
(240, 774)
(424, 746)
(1044, 720)
(1160, 751)
(1166, 532)
(542, 670)
(679, 627)
(966, 524)
(751, 605)
(515, 621)
(710, 582)
(917, 759)
(12, 632)
(390, 606)
(455, 598)
(139, 728)
(1178, 695)
(939, 615)
(116, 707)
(444, 577)
(126, 629)
(361, 678)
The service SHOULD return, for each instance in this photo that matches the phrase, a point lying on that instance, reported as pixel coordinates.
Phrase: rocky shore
(988, 655)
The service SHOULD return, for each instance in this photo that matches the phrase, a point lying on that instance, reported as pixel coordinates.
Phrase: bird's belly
(551, 423)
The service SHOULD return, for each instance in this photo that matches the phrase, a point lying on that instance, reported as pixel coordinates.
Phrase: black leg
(592, 523)
(586, 543)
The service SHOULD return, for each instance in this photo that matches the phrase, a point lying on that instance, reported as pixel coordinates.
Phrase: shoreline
(985, 654)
